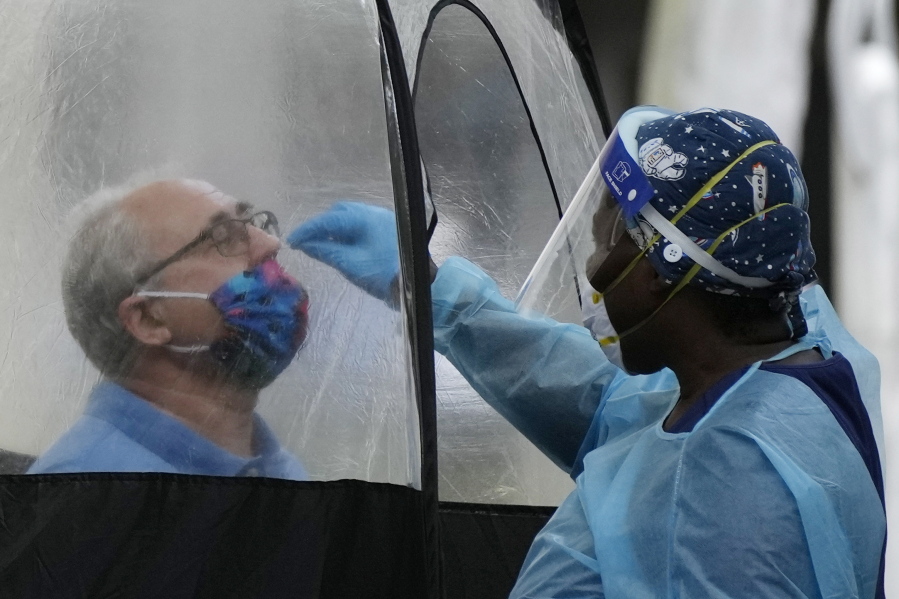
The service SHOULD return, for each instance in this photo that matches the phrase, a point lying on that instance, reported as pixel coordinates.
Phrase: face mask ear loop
(684, 281)
(176, 294)
(724, 235)
(179, 349)
(187, 349)
(616, 281)
(630, 267)
(695, 268)
(623, 274)
(687, 277)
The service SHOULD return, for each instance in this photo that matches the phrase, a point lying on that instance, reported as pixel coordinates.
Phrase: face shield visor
(602, 210)
(613, 199)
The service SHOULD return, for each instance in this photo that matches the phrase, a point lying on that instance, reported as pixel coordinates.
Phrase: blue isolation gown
(765, 497)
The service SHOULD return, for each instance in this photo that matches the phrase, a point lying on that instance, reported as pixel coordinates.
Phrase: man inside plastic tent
(173, 292)
(717, 419)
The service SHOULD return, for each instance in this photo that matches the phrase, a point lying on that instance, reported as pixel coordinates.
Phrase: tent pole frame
(412, 225)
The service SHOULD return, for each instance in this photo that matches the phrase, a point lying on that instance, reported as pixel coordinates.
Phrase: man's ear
(141, 320)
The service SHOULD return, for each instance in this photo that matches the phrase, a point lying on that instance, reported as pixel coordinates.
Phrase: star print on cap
(682, 153)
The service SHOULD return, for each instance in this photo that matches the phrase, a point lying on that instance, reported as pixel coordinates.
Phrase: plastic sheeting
(280, 103)
(496, 203)
(551, 81)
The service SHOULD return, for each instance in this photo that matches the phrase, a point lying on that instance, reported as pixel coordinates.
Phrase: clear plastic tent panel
(532, 35)
(496, 208)
(278, 103)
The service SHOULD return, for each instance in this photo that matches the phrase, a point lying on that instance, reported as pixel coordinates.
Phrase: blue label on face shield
(629, 186)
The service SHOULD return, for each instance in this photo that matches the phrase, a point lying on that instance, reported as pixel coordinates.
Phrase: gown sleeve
(546, 378)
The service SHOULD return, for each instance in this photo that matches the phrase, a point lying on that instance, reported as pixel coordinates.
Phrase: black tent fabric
(483, 546)
(171, 536)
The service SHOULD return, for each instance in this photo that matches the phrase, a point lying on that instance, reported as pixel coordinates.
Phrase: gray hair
(106, 255)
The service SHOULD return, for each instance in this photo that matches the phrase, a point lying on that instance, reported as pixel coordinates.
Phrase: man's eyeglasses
(230, 237)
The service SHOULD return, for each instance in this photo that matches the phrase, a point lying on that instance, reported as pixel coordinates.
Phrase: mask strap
(623, 274)
(702, 257)
(707, 187)
(683, 282)
(695, 269)
(179, 349)
(677, 288)
(187, 349)
(758, 214)
(613, 284)
(188, 294)
(714, 246)
(718, 176)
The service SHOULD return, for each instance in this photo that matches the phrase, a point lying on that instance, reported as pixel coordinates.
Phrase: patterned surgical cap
(759, 205)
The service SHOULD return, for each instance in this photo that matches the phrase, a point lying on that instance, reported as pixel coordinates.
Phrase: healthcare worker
(721, 425)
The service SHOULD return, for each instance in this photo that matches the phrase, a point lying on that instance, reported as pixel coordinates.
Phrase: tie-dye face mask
(266, 316)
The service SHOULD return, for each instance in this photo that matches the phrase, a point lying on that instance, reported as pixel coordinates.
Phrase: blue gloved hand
(357, 239)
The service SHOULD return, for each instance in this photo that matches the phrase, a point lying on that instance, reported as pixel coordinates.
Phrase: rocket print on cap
(759, 181)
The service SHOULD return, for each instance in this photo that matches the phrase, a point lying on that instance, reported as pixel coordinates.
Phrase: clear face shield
(608, 203)
(603, 209)
(608, 225)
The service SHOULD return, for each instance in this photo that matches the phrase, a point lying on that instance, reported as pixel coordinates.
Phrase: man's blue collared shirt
(120, 432)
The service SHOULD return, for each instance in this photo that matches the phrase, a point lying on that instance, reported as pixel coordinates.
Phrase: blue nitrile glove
(357, 239)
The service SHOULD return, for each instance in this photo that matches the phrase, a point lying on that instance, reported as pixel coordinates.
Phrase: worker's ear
(140, 317)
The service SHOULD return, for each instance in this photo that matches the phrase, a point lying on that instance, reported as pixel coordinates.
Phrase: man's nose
(263, 246)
